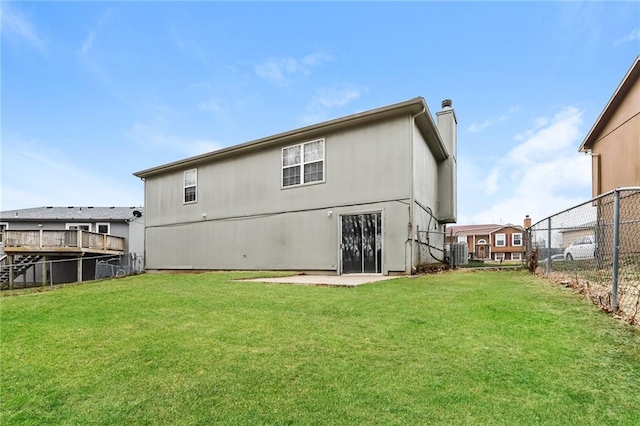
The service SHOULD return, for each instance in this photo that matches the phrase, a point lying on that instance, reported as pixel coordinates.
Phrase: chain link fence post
(594, 247)
(548, 266)
(616, 250)
(419, 246)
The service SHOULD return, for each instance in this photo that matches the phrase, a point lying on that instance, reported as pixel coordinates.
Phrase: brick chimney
(527, 222)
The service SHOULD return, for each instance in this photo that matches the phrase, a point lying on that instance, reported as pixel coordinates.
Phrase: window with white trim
(499, 256)
(516, 256)
(76, 226)
(501, 240)
(190, 186)
(103, 228)
(483, 241)
(303, 163)
(462, 238)
(516, 239)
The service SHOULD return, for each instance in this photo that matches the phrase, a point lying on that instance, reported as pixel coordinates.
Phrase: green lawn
(454, 348)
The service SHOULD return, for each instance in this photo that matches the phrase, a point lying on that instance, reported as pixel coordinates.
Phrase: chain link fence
(119, 266)
(32, 271)
(432, 249)
(595, 248)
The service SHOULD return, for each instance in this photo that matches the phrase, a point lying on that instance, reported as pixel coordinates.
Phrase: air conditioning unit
(458, 254)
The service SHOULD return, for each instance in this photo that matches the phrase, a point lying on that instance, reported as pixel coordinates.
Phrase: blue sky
(94, 91)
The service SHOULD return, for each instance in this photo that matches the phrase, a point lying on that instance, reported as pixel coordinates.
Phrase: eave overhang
(416, 107)
(618, 96)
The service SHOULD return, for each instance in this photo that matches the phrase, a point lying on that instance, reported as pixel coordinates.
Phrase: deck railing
(45, 239)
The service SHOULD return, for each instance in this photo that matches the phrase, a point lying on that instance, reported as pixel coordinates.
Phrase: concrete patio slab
(332, 280)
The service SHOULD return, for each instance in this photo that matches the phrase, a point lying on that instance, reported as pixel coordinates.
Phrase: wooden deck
(61, 243)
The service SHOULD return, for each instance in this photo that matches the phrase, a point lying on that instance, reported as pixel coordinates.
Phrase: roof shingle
(71, 213)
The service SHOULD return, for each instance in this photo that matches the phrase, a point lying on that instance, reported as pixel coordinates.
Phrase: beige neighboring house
(572, 234)
(614, 143)
(614, 139)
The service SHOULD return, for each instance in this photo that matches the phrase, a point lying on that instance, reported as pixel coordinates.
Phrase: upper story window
(501, 240)
(517, 239)
(303, 163)
(190, 186)
(103, 228)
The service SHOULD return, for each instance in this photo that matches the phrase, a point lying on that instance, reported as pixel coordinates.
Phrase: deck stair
(20, 266)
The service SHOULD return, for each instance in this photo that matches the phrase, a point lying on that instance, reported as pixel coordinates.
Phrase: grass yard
(455, 348)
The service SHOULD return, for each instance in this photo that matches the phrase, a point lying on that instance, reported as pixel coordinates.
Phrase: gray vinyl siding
(425, 192)
(302, 241)
(362, 165)
(253, 223)
(135, 237)
(425, 173)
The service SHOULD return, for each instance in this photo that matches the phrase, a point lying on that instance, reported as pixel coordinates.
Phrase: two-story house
(342, 196)
(491, 241)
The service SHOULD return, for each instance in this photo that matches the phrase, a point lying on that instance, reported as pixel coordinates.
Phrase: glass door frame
(382, 227)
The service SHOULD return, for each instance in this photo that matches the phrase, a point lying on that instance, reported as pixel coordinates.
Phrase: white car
(582, 248)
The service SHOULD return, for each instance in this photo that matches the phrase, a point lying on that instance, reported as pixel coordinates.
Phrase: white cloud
(56, 179)
(189, 46)
(280, 69)
(210, 105)
(316, 58)
(561, 133)
(153, 137)
(491, 183)
(327, 98)
(87, 43)
(541, 176)
(337, 97)
(18, 27)
(478, 127)
(313, 117)
(513, 209)
(86, 46)
(632, 36)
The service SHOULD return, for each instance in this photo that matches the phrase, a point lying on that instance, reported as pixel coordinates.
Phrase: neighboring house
(62, 233)
(614, 139)
(614, 144)
(491, 241)
(343, 196)
(477, 238)
(574, 233)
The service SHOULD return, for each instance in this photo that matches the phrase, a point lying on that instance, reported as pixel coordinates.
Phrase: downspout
(411, 187)
(144, 228)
